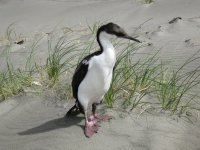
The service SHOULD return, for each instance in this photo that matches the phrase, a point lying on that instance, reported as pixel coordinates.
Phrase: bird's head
(114, 29)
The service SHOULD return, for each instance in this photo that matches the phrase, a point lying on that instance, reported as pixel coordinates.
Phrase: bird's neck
(107, 48)
(104, 43)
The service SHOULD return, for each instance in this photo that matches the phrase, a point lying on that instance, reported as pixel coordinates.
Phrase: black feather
(82, 68)
(79, 75)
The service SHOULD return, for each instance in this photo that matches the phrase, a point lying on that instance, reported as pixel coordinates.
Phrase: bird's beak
(131, 38)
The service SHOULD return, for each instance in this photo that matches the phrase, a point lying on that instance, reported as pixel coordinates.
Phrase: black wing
(81, 72)
(79, 75)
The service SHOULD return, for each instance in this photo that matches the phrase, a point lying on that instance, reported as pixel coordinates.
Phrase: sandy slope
(34, 122)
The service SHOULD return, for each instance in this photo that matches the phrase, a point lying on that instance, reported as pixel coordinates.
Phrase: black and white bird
(93, 76)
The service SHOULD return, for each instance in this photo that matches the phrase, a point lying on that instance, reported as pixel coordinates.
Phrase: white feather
(99, 76)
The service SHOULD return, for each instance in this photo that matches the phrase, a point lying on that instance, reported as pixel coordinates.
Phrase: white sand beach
(36, 121)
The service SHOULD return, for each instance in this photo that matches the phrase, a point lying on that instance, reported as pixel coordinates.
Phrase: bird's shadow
(54, 124)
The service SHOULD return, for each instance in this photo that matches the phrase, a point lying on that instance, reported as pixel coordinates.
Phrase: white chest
(99, 76)
(101, 69)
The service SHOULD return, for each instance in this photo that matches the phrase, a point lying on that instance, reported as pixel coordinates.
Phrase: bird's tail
(71, 110)
(75, 109)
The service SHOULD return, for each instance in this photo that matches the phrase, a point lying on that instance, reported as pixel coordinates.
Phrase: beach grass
(61, 53)
(13, 80)
(11, 34)
(132, 80)
(94, 27)
(134, 77)
(174, 88)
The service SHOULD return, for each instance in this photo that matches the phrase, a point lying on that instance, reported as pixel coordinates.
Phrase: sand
(36, 121)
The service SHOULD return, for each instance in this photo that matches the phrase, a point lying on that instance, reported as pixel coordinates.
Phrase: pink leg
(99, 117)
(102, 117)
(89, 131)
(96, 125)
(91, 126)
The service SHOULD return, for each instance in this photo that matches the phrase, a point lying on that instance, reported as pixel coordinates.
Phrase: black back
(81, 72)
(79, 75)
(82, 67)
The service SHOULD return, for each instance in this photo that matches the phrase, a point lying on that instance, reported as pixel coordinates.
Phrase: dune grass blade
(10, 33)
(89, 46)
(93, 28)
(134, 77)
(59, 60)
(30, 62)
(131, 79)
(13, 80)
(174, 90)
(11, 36)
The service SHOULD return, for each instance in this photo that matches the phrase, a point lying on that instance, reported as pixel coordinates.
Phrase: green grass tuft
(131, 80)
(60, 58)
(13, 81)
(134, 77)
(174, 89)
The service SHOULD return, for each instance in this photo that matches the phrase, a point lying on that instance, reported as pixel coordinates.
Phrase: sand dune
(36, 122)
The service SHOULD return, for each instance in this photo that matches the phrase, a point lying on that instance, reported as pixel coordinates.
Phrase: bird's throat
(107, 48)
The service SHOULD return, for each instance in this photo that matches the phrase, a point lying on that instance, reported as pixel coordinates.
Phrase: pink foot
(96, 125)
(91, 127)
(103, 117)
